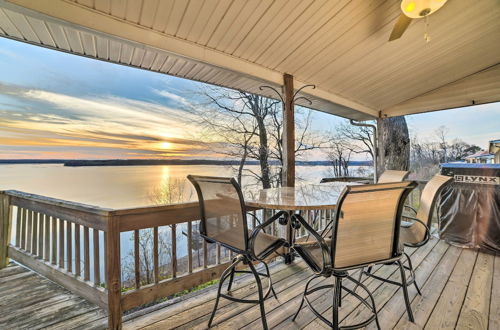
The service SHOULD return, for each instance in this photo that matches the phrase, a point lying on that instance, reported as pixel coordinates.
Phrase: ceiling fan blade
(400, 27)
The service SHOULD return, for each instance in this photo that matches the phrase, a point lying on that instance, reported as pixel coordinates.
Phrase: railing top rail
(58, 202)
(153, 209)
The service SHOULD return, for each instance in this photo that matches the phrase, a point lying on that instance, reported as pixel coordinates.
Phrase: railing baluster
(205, 254)
(105, 256)
(29, 232)
(54, 240)
(77, 249)
(24, 214)
(86, 253)
(18, 226)
(217, 255)
(46, 221)
(254, 219)
(137, 265)
(155, 255)
(69, 243)
(190, 246)
(41, 226)
(322, 216)
(34, 237)
(97, 270)
(61, 243)
(174, 251)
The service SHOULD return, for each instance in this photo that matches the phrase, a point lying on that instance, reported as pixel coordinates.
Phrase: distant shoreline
(151, 162)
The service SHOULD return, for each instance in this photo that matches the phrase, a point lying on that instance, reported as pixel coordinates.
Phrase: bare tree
(441, 133)
(339, 154)
(146, 262)
(360, 137)
(249, 127)
(175, 190)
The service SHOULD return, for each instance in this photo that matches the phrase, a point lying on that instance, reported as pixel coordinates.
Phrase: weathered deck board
(494, 322)
(461, 289)
(447, 309)
(475, 310)
(444, 273)
(30, 301)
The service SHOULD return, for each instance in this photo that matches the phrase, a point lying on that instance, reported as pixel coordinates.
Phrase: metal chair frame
(340, 274)
(412, 278)
(246, 256)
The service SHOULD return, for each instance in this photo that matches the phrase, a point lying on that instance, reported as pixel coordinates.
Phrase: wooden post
(113, 273)
(288, 132)
(5, 229)
(381, 148)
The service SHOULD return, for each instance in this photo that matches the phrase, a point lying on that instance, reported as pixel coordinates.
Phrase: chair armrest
(256, 230)
(410, 224)
(256, 218)
(325, 250)
(411, 208)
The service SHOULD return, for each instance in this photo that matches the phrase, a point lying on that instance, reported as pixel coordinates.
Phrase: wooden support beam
(5, 229)
(113, 273)
(288, 132)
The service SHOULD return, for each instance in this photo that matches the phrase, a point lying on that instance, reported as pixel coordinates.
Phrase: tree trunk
(242, 164)
(264, 154)
(393, 144)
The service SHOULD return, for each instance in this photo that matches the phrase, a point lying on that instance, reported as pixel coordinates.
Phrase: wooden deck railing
(78, 246)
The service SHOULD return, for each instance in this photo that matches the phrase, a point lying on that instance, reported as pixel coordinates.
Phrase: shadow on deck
(461, 289)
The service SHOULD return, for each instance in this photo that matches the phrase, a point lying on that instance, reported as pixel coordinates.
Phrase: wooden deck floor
(30, 301)
(461, 289)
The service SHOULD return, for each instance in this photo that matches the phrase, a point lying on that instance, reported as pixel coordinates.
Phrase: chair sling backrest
(428, 200)
(222, 211)
(367, 223)
(393, 176)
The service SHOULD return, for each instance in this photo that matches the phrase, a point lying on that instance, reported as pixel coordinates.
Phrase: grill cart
(470, 206)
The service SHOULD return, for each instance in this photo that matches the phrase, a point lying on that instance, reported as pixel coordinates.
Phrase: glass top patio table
(299, 198)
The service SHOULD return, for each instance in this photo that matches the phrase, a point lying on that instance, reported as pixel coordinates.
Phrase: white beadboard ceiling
(338, 45)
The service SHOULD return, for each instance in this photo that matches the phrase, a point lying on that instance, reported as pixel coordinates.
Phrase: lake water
(120, 187)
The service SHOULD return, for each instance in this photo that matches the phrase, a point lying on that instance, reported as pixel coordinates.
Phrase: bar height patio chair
(393, 176)
(415, 228)
(224, 221)
(365, 231)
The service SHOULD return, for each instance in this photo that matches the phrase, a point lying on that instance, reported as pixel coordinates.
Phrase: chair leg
(340, 296)
(374, 309)
(303, 297)
(410, 265)
(404, 287)
(270, 280)
(336, 303)
(360, 277)
(261, 296)
(231, 278)
(221, 282)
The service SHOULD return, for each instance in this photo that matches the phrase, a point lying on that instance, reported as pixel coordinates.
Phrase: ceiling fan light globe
(420, 8)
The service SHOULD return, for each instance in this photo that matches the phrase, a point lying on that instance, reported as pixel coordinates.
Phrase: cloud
(98, 122)
(176, 98)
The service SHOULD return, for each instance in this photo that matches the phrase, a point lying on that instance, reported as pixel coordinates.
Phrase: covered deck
(461, 289)
(339, 47)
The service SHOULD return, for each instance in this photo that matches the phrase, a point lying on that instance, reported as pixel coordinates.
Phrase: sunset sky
(55, 105)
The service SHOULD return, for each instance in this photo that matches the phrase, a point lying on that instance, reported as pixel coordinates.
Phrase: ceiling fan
(413, 9)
